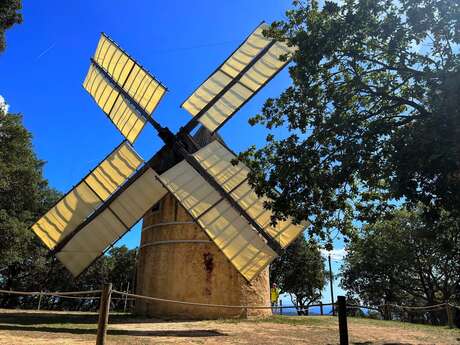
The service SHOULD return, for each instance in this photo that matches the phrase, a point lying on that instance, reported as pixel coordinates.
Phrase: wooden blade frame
(113, 69)
(181, 147)
(85, 197)
(243, 80)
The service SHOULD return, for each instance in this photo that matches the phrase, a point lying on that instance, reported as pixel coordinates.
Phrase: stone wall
(195, 271)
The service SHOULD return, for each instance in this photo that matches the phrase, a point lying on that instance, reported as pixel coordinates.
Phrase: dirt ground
(53, 328)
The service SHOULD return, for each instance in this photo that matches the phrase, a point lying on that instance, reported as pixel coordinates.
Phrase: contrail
(45, 51)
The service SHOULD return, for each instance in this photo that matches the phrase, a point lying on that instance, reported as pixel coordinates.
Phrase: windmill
(122, 188)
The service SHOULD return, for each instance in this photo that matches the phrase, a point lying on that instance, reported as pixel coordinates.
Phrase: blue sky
(179, 42)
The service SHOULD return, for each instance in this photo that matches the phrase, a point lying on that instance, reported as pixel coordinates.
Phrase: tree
(300, 273)
(8, 17)
(24, 196)
(122, 263)
(117, 267)
(373, 112)
(24, 261)
(404, 260)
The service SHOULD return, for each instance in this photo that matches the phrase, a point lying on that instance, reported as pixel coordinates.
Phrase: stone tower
(177, 261)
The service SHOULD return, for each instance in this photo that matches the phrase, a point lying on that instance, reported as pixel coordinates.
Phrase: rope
(355, 306)
(156, 243)
(59, 294)
(454, 306)
(431, 307)
(300, 307)
(73, 294)
(122, 299)
(423, 308)
(212, 305)
(191, 303)
(73, 297)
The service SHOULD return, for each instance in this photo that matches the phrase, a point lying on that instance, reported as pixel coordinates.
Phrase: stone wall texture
(192, 272)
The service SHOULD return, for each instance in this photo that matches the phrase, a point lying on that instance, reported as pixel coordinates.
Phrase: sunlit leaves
(373, 110)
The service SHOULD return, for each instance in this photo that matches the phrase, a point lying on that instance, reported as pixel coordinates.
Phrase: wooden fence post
(126, 299)
(386, 312)
(343, 327)
(450, 316)
(39, 300)
(104, 309)
(281, 306)
(321, 308)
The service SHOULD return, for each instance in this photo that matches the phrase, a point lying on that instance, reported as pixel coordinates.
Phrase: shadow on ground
(165, 333)
(75, 324)
(28, 318)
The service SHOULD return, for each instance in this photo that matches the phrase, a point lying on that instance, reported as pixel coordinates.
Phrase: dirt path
(76, 328)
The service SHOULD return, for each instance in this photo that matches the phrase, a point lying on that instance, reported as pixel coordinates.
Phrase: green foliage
(404, 260)
(117, 267)
(24, 261)
(300, 273)
(122, 263)
(23, 192)
(373, 113)
(8, 17)
(24, 196)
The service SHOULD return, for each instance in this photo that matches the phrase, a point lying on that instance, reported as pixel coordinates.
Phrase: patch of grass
(25, 318)
(332, 321)
(403, 325)
(55, 320)
(289, 320)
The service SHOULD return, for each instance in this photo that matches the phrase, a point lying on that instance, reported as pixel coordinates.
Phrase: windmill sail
(216, 159)
(87, 195)
(123, 89)
(118, 192)
(98, 233)
(245, 248)
(232, 234)
(237, 80)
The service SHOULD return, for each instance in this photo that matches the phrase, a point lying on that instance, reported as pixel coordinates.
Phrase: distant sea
(327, 310)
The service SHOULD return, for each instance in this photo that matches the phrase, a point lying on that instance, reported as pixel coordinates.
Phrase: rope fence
(44, 293)
(205, 304)
(131, 296)
(70, 295)
(105, 301)
(426, 308)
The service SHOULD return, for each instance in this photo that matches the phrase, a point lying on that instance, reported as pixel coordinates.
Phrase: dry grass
(29, 327)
